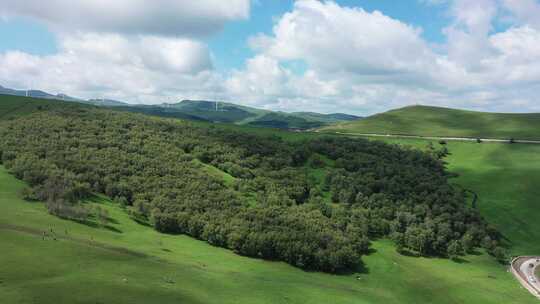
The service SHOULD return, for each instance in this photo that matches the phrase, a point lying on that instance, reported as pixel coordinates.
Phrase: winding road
(524, 269)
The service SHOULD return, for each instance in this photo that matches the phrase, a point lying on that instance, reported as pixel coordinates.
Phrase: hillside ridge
(445, 122)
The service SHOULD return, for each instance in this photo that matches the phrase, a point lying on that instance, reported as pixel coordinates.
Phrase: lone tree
(500, 254)
(102, 216)
(467, 241)
(455, 249)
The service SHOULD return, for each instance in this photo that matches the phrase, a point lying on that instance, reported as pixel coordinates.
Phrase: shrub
(500, 254)
(66, 210)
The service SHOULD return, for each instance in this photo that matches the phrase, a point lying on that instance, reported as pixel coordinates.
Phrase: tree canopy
(314, 204)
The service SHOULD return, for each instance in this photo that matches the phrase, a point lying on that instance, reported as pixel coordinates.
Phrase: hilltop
(437, 121)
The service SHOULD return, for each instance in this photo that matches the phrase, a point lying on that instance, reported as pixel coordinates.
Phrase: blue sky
(229, 46)
(26, 35)
(231, 49)
(325, 56)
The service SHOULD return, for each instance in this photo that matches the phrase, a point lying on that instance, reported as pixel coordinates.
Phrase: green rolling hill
(436, 121)
(15, 106)
(207, 110)
(132, 263)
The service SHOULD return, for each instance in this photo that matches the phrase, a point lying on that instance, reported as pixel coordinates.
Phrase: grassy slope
(218, 173)
(326, 118)
(34, 270)
(506, 179)
(433, 121)
(14, 106)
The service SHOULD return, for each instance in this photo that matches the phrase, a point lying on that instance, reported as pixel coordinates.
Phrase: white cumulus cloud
(524, 11)
(136, 68)
(135, 50)
(364, 62)
(155, 17)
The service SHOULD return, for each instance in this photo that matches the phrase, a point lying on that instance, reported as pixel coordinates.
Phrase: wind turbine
(216, 100)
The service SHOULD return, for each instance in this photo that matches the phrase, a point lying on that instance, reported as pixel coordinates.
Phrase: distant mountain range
(232, 113)
(37, 94)
(64, 97)
(210, 111)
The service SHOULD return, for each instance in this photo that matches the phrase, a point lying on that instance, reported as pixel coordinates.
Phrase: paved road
(524, 269)
(518, 141)
(530, 273)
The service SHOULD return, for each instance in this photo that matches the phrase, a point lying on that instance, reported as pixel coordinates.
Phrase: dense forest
(314, 204)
